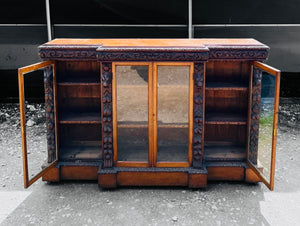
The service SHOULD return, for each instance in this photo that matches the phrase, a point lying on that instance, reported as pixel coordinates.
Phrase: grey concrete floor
(82, 203)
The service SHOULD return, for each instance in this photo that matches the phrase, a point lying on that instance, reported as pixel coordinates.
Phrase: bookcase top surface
(153, 49)
(162, 43)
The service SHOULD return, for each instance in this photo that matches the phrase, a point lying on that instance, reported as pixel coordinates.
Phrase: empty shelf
(225, 118)
(224, 151)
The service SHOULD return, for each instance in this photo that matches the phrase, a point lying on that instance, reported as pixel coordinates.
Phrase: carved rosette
(255, 110)
(107, 137)
(50, 118)
(198, 115)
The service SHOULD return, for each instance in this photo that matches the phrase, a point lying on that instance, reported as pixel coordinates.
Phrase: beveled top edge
(155, 43)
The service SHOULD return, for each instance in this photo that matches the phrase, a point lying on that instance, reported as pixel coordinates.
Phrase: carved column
(107, 137)
(198, 115)
(255, 110)
(50, 117)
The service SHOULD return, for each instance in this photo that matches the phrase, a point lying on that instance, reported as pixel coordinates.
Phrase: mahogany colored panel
(251, 177)
(78, 104)
(79, 132)
(156, 42)
(225, 173)
(226, 100)
(107, 180)
(52, 175)
(78, 71)
(226, 132)
(224, 151)
(225, 118)
(152, 179)
(79, 172)
(197, 180)
(236, 72)
(80, 118)
(67, 90)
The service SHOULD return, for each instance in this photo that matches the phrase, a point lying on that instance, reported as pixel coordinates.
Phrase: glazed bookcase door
(173, 112)
(132, 86)
(39, 124)
(265, 85)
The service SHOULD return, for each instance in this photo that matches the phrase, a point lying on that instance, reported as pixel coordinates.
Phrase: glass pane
(36, 125)
(262, 160)
(172, 113)
(132, 113)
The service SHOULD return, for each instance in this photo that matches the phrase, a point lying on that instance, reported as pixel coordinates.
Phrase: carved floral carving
(67, 53)
(255, 110)
(198, 115)
(243, 53)
(49, 106)
(107, 138)
(151, 56)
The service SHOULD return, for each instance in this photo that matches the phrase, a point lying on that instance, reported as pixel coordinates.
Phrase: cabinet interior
(226, 110)
(79, 110)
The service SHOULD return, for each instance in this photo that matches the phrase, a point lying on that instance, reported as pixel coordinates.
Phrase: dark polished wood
(223, 111)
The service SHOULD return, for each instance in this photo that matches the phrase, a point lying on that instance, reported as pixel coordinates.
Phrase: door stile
(154, 113)
(114, 112)
(151, 116)
(191, 95)
(23, 130)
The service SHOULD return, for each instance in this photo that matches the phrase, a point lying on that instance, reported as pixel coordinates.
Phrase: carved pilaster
(107, 137)
(255, 110)
(50, 117)
(198, 115)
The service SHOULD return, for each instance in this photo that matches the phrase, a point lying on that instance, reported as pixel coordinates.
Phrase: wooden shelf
(132, 125)
(172, 125)
(78, 83)
(138, 125)
(81, 150)
(80, 80)
(225, 118)
(226, 86)
(224, 151)
(81, 118)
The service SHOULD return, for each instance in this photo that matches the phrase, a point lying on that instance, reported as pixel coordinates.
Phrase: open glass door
(38, 122)
(263, 121)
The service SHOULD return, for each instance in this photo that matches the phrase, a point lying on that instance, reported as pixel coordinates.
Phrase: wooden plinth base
(108, 178)
(125, 176)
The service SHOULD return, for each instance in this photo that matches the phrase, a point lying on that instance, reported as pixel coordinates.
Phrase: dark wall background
(273, 22)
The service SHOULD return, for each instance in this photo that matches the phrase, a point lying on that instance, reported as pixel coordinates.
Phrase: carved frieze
(151, 56)
(238, 53)
(65, 53)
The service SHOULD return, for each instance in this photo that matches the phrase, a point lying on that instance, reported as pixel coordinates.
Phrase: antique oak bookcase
(156, 112)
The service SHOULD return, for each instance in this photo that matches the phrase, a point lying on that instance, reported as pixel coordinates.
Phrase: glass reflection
(35, 123)
(132, 113)
(172, 113)
(265, 134)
